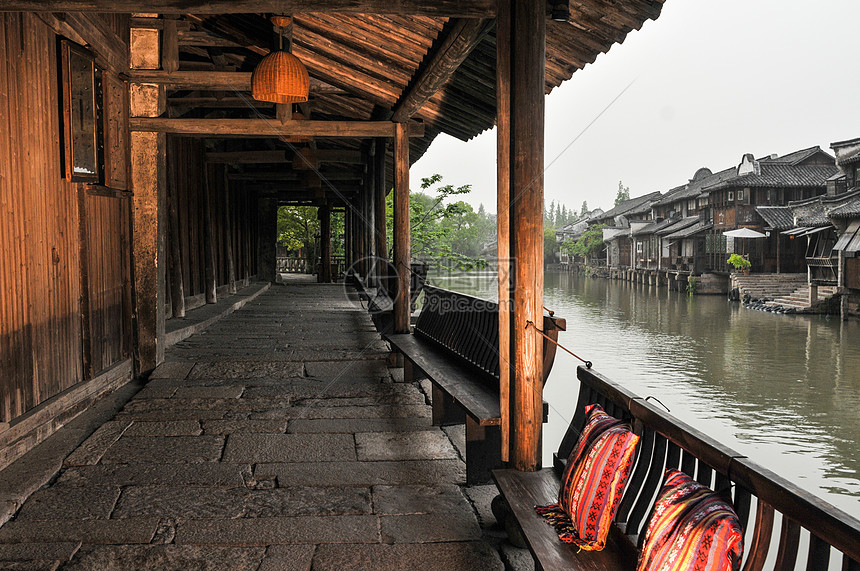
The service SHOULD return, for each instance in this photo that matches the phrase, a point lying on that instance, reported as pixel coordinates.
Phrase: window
(80, 114)
(731, 196)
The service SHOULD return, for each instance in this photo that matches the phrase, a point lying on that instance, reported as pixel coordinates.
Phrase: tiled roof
(629, 205)
(796, 157)
(776, 217)
(690, 231)
(851, 209)
(678, 225)
(850, 158)
(695, 187)
(773, 174)
(655, 227)
(815, 212)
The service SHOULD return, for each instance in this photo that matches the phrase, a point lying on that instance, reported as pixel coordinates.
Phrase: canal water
(782, 389)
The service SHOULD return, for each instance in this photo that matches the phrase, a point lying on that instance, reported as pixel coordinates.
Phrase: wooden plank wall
(40, 322)
(108, 263)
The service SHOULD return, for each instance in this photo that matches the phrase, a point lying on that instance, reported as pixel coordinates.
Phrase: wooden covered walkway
(275, 439)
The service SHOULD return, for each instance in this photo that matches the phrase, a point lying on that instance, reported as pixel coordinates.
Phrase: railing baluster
(760, 544)
(652, 483)
(849, 564)
(688, 464)
(704, 474)
(673, 456)
(637, 477)
(742, 505)
(819, 553)
(789, 537)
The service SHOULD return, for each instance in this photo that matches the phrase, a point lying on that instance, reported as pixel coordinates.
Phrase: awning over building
(690, 231)
(683, 223)
(849, 241)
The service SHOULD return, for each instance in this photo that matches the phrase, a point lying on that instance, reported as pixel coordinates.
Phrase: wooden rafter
(450, 8)
(464, 35)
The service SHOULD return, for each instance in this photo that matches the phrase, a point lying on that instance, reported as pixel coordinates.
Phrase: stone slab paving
(276, 439)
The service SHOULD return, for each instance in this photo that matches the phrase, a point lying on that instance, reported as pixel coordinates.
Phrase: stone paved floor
(274, 440)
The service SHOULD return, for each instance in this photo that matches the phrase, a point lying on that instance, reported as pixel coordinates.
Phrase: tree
(586, 246)
(297, 226)
(584, 210)
(443, 233)
(623, 194)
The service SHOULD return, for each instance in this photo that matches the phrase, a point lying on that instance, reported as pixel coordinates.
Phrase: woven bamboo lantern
(281, 77)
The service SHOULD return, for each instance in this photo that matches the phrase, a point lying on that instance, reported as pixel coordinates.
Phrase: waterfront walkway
(276, 439)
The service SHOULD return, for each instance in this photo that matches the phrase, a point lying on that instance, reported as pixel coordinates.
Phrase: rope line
(556, 343)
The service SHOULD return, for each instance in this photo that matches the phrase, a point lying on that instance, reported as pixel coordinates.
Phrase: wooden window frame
(68, 51)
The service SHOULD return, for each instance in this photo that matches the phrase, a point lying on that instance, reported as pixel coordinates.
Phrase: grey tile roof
(776, 217)
(695, 188)
(816, 212)
(655, 227)
(796, 157)
(850, 209)
(690, 231)
(678, 225)
(629, 205)
(781, 175)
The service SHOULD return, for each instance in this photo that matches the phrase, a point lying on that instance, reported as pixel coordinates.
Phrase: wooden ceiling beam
(247, 157)
(464, 35)
(293, 176)
(438, 8)
(269, 128)
(214, 80)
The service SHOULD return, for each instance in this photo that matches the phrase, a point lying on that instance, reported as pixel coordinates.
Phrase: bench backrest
(468, 327)
(666, 442)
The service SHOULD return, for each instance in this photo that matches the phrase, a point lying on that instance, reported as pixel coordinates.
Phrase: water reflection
(783, 389)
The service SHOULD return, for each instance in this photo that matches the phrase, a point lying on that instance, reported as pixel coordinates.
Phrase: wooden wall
(64, 247)
(40, 321)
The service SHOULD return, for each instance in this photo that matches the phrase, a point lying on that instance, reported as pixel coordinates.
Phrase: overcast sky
(711, 80)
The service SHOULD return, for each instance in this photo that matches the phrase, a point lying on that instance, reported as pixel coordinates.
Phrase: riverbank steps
(275, 439)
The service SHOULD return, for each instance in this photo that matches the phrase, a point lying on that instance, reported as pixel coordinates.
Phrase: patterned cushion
(691, 528)
(593, 481)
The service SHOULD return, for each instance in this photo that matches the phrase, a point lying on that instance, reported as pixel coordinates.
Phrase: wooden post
(228, 233)
(149, 184)
(210, 284)
(527, 36)
(177, 285)
(324, 214)
(379, 218)
(401, 227)
(267, 223)
(503, 200)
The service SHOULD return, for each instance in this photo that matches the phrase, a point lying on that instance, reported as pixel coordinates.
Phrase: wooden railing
(289, 264)
(758, 494)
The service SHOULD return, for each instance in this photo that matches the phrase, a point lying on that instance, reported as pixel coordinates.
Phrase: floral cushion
(691, 528)
(593, 481)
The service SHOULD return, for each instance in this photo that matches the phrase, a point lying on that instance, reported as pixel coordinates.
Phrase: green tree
(623, 194)
(297, 226)
(589, 245)
(584, 210)
(442, 233)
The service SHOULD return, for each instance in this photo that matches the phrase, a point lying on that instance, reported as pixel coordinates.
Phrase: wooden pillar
(379, 216)
(267, 224)
(148, 183)
(503, 202)
(526, 37)
(402, 256)
(177, 284)
(324, 214)
(210, 281)
(228, 233)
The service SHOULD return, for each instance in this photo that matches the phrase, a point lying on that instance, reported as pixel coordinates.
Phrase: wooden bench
(455, 345)
(761, 498)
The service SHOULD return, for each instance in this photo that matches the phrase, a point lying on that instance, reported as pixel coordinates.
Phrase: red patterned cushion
(691, 528)
(593, 481)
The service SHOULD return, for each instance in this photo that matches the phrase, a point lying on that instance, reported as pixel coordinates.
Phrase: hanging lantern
(281, 77)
